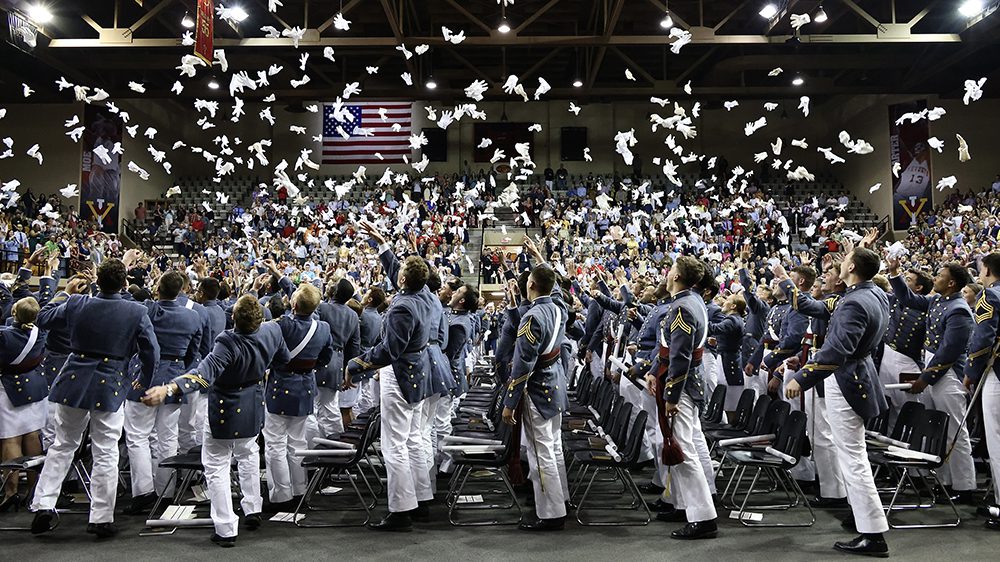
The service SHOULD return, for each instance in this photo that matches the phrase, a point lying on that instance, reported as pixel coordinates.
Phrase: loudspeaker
(572, 142)
(436, 148)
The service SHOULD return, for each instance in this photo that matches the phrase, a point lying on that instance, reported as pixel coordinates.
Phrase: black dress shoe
(224, 542)
(42, 523)
(965, 497)
(849, 524)
(651, 488)
(102, 530)
(141, 504)
(673, 516)
(698, 530)
(992, 524)
(865, 545)
(64, 501)
(421, 513)
(984, 510)
(555, 524)
(660, 506)
(821, 502)
(252, 521)
(399, 522)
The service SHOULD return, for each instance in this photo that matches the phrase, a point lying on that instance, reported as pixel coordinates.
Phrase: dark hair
(111, 276)
(708, 283)
(224, 291)
(433, 279)
(544, 277)
(376, 298)
(522, 283)
(690, 270)
(992, 263)
(276, 305)
(959, 274)
(170, 285)
(415, 273)
(210, 288)
(924, 281)
(866, 263)
(471, 300)
(343, 292)
(808, 273)
(247, 314)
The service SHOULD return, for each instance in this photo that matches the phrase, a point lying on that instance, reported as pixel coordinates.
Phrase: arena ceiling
(883, 47)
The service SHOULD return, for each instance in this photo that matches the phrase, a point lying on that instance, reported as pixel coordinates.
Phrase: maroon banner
(204, 31)
(911, 191)
(101, 175)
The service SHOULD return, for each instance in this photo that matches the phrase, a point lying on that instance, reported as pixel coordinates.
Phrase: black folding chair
(716, 406)
(484, 468)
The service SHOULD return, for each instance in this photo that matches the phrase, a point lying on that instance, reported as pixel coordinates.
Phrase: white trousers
(757, 383)
(369, 396)
(710, 368)
(49, 430)
(805, 469)
(637, 398)
(949, 395)
(349, 398)
(425, 487)
(689, 483)
(216, 456)
(597, 364)
(193, 421)
(285, 476)
(328, 416)
(105, 430)
(824, 450)
(144, 456)
(894, 363)
(991, 418)
(402, 446)
(546, 467)
(848, 432)
(442, 411)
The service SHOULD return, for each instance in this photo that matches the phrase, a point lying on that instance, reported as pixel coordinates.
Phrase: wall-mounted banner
(911, 191)
(101, 173)
(204, 31)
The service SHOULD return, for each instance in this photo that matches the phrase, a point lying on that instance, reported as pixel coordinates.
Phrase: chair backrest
(930, 433)
(743, 409)
(791, 435)
(583, 388)
(909, 415)
(619, 431)
(634, 440)
(775, 417)
(716, 405)
(756, 419)
(880, 423)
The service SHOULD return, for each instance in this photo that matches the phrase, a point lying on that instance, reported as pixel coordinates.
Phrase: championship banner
(204, 30)
(100, 170)
(911, 191)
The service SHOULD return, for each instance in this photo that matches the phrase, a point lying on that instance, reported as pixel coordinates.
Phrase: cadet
(404, 347)
(92, 386)
(949, 329)
(345, 328)
(178, 331)
(852, 394)
(194, 409)
(728, 333)
(982, 350)
(537, 372)
(234, 373)
(793, 328)
(373, 304)
(291, 392)
(903, 348)
(675, 382)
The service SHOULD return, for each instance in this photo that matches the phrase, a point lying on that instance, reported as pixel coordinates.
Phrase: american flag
(358, 148)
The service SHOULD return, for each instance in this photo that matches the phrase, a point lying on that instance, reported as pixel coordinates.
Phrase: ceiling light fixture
(431, 83)
(798, 81)
(239, 14)
(820, 16)
(187, 21)
(504, 26)
(577, 83)
(39, 13)
(970, 8)
(667, 22)
(768, 11)
(213, 84)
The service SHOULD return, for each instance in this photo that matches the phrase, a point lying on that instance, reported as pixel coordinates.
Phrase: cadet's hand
(968, 384)
(750, 370)
(348, 384)
(773, 385)
(918, 386)
(892, 264)
(155, 396)
(632, 314)
(792, 389)
(651, 385)
(779, 272)
(508, 416)
(793, 363)
(670, 410)
(712, 340)
(76, 286)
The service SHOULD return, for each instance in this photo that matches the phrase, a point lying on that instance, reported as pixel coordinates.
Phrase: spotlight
(667, 22)
(970, 8)
(798, 81)
(239, 14)
(768, 11)
(187, 21)
(39, 13)
(431, 84)
(213, 84)
(820, 16)
(577, 83)
(504, 26)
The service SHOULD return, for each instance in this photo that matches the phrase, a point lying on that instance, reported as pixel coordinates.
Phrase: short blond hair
(25, 311)
(305, 299)
(248, 315)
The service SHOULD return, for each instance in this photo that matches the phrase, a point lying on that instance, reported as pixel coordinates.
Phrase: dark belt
(547, 360)
(237, 388)
(301, 366)
(24, 366)
(84, 354)
(335, 348)
(171, 357)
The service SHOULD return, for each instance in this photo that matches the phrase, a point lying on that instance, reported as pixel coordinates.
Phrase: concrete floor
(440, 541)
